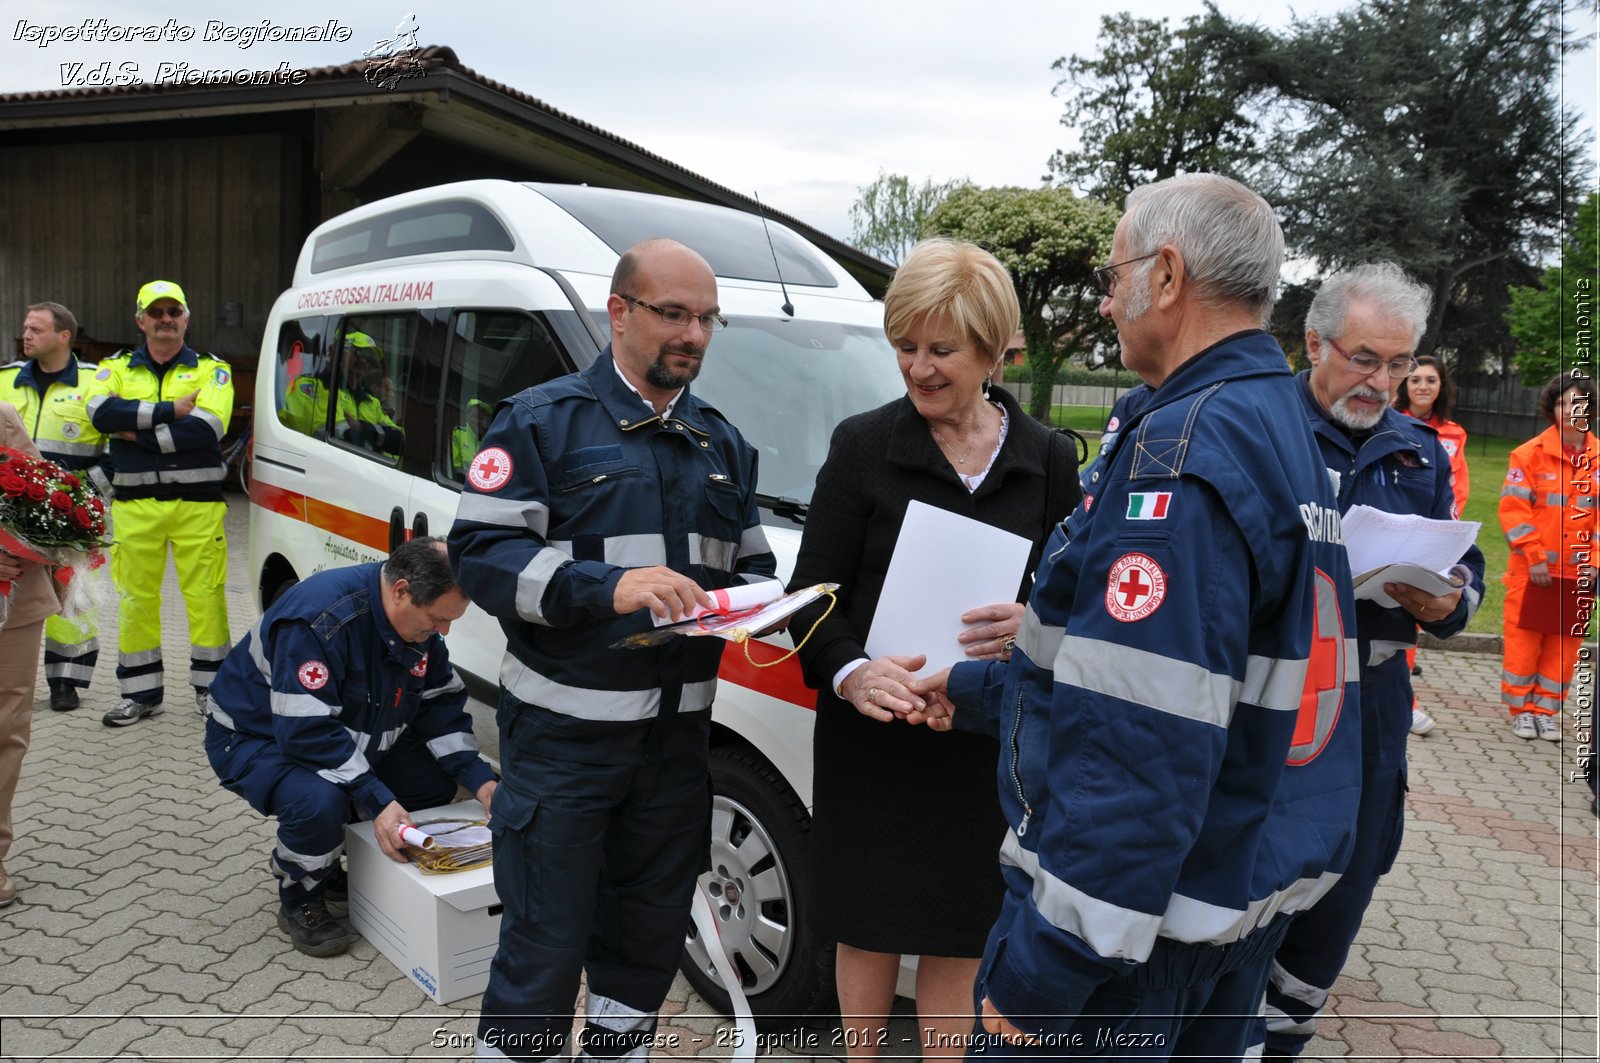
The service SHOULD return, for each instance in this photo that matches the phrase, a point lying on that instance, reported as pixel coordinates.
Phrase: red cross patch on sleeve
(490, 469)
(1136, 587)
(313, 675)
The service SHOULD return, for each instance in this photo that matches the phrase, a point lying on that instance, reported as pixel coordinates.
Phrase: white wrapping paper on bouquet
(81, 572)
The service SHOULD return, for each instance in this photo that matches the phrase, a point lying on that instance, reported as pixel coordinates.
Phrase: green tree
(1152, 103)
(1429, 132)
(888, 215)
(1553, 324)
(1051, 241)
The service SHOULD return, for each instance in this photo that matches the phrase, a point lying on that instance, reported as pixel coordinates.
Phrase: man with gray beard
(1361, 332)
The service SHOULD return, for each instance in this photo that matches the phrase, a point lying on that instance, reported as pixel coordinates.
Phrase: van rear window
(449, 225)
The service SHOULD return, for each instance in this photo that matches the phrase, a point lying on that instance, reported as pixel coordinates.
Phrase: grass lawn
(1487, 458)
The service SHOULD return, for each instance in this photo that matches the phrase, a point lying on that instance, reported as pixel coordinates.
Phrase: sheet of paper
(943, 565)
(1376, 538)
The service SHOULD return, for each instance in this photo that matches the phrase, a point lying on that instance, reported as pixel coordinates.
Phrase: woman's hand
(14, 568)
(881, 688)
(995, 631)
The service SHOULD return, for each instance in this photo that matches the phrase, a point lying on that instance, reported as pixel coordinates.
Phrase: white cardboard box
(440, 930)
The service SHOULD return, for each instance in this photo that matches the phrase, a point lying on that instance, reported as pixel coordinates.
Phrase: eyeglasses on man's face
(1106, 276)
(159, 312)
(677, 316)
(1367, 364)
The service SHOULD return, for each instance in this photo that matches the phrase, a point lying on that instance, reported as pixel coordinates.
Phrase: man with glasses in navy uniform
(595, 502)
(1361, 332)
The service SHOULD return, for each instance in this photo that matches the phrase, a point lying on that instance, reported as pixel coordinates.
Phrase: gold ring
(1006, 642)
(872, 695)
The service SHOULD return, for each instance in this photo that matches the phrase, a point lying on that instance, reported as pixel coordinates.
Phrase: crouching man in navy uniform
(594, 502)
(1180, 747)
(341, 703)
(1361, 330)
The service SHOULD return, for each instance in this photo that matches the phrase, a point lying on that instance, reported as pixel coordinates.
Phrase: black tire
(278, 589)
(245, 460)
(760, 868)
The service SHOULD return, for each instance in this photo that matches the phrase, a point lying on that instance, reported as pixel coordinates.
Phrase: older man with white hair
(1180, 743)
(1361, 333)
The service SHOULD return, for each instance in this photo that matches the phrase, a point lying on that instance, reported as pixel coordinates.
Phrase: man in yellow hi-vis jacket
(166, 408)
(48, 387)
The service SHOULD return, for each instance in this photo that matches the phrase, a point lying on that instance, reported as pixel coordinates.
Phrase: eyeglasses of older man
(1367, 364)
(1106, 276)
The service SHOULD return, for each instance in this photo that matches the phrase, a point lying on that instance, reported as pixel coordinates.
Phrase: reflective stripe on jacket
(1547, 504)
(169, 457)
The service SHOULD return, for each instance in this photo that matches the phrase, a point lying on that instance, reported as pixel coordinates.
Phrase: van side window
(301, 363)
(371, 374)
(493, 353)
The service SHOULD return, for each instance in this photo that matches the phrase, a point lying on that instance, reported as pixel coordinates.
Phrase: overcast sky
(802, 103)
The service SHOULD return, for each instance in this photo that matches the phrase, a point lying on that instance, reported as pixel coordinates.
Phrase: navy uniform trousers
(311, 811)
(595, 865)
(1187, 1001)
(1319, 940)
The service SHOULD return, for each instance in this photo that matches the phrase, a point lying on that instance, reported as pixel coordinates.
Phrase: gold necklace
(948, 449)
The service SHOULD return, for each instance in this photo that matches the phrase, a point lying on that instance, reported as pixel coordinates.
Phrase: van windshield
(787, 384)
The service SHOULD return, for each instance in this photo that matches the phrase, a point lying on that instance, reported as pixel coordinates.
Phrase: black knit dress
(907, 823)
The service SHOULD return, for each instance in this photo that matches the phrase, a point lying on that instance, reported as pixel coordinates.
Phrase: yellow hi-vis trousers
(71, 648)
(143, 528)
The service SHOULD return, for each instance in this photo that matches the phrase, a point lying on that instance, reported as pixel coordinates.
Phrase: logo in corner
(490, 469)
(1135, 588)
(313, 675)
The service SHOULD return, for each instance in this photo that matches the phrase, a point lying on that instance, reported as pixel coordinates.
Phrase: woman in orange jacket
(1547, 508)
(1429, 395)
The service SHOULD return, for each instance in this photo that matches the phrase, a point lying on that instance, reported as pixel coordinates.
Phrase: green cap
(160, 290)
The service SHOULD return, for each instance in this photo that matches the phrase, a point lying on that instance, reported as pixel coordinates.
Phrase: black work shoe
(63, 697)
(311, 929)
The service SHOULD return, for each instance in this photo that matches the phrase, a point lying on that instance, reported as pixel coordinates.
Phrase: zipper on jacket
(1016, 776)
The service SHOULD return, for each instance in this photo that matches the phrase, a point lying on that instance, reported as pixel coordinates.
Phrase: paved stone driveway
(145, 929)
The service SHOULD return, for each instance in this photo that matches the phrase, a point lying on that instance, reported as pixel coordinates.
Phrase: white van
(473, 291)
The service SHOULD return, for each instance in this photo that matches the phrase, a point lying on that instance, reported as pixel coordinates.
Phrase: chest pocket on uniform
(1416, 482)
(721, 522)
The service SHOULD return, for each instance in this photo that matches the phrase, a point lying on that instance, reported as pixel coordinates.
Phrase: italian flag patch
(1149, 505)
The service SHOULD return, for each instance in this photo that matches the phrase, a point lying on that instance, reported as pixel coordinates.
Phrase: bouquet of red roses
(49, 516)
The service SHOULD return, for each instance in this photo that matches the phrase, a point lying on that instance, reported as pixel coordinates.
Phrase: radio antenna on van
(788, 307)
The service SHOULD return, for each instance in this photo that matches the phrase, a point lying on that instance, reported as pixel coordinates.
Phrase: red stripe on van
(783, 681)
(347, 523)
(277, 500)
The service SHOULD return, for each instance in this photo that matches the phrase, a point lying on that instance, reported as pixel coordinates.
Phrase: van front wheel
(760, 865)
